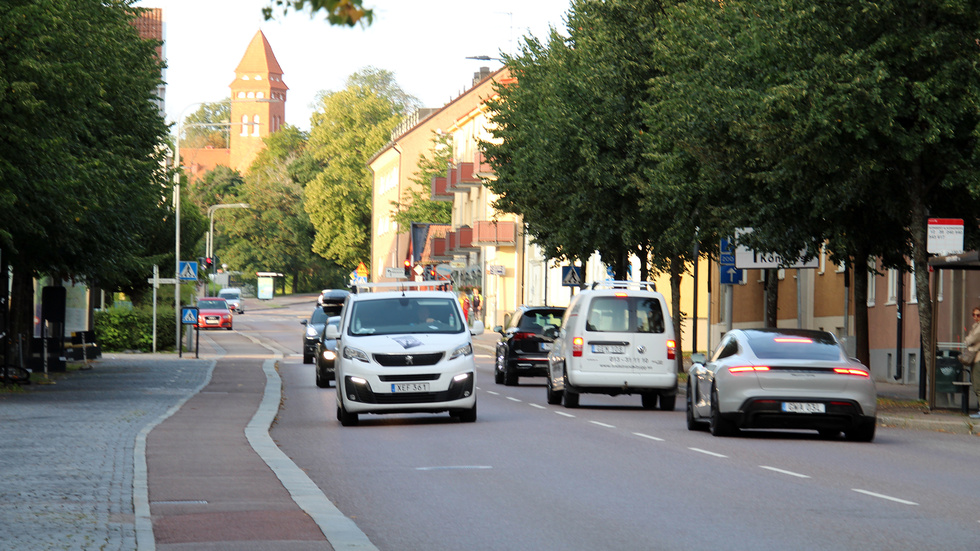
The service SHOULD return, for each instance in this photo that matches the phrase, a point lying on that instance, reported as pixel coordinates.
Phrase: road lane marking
(608, 426)
(883, 496)
(781, 471)
(563, 414)
(512, 399)
(648, 437)
(454, 468)
(539, 406)
(706, 452)
(494, 393)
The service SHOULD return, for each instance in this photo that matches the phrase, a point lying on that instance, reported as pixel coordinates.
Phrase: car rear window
(625, 314)
(536, 321)
(782, 346)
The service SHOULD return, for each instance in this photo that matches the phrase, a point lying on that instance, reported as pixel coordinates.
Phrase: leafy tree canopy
(339, 12)
(209, 126)
(417, 205)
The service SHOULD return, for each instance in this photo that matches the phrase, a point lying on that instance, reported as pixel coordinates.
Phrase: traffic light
(408, 269)
(208, 263)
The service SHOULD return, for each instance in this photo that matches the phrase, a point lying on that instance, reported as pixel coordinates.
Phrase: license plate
(545, 346)
(409, 387)
(803, 407)
(608, 349)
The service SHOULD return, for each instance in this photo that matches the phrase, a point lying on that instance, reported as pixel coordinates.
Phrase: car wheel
(554, 396)
(649, 400)
(229, 328)
(718, 425)
(468, 416)
(321, 380)
(692, 423)
(510, 376)
(345, 417)
(570, 398)
(307, 359)
(861, 433)
(668, 403)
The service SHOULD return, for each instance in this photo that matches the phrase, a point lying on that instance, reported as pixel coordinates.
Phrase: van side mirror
(699, 358)
(477, 328)
(332, 332)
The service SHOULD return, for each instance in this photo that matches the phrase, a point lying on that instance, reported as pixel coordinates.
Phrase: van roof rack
(620, 284)
(402, 286)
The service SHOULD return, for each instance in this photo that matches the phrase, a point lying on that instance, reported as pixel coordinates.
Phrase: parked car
(326, 354)
(524, 344)
(405, 351)
(311, 336)
(782, 379)
(615, 339)
(234, 297)
(213, 313)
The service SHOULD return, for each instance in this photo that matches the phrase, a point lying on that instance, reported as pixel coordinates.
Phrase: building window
(260, 94)
(258, 77)
(892, 286)
(241, 94)
(244, 77)
(244, 126)
(872, 280)
(913, 293)
(255, 125)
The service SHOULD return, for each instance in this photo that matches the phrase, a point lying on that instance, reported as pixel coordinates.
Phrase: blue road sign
(730, 275)
(188, 271)
(188, 315)
(571, 276)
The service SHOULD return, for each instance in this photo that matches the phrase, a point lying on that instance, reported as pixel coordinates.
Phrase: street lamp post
(210, 243)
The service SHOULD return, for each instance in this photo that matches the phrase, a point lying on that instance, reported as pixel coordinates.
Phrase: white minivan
(616, 338)
(404, 348)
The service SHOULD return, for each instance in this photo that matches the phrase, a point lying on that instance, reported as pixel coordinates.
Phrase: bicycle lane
(216, 480)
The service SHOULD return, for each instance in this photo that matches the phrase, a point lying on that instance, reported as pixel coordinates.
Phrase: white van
(234, 297)
(404, 348)
(616, 338)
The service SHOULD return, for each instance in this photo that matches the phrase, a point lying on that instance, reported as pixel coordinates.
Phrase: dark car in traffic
(326, 353)
(329, 303)
(522, 350)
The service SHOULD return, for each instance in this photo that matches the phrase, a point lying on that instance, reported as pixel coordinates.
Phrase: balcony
(482, 167)
(439, 189)
(497, 233)
(464, 238)
(465, 177)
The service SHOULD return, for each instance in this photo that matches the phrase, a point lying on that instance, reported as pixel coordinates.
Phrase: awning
(968, 260)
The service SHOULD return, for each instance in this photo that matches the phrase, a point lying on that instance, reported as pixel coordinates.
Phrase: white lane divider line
(781, 471)
(512, 399)
(883, 496)
(563, 414)
(494, 393)
(648, 437)
(539, 406)
(706, 452)
(608, 426)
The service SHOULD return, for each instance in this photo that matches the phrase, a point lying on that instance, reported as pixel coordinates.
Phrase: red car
(213, 312)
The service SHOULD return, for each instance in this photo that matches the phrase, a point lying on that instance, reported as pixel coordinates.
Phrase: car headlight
(465, 350)
(355, 354)
(329, 355)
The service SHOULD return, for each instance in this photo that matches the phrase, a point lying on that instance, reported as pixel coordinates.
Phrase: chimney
(478, 77)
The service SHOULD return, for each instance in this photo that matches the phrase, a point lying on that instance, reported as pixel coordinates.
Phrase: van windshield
(403, 315)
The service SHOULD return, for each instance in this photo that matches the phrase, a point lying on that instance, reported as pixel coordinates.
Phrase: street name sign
(747, 258)
(394, 273)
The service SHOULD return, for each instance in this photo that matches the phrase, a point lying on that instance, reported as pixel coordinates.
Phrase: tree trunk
(862, 346)
(676, 272)
(772, 296)
(918, 227)
(21, 305)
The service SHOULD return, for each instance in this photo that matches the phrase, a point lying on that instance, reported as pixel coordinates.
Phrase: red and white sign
(945, 236)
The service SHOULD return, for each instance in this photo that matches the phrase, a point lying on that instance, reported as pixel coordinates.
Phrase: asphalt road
(611, 475)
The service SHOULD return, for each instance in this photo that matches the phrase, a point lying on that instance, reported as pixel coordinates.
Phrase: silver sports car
(782, 379)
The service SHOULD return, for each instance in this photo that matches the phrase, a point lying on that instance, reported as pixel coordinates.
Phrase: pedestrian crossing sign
(570, 276)
(188, 315)
(188, 271)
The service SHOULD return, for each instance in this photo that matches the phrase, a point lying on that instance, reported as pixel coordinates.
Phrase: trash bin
(950, 381)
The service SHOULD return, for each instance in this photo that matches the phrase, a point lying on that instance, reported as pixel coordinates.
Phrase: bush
(120, 329)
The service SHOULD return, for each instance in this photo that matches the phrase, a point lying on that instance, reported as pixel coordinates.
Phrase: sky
(423, 42)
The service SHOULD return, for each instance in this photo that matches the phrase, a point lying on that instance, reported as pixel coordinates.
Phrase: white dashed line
(603, 424)
(494, 393)
(648, 437)
(539, 406)
(883, 496)
(512, 399)
(706, 452)
(563, 414)
(781, 471)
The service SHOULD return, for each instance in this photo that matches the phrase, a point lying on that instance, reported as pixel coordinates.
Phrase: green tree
(417, 205)
(348, 127)
(82, 191)
(339, 12)
(208, 126)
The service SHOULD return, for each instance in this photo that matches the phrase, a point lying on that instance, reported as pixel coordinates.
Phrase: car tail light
(577, 343)
(851, 371)
(671, 349)
(799, 340)
(621, 295)
(523, 335)
(747, 369)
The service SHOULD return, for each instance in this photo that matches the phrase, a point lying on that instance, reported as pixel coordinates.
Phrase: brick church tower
(258, 102)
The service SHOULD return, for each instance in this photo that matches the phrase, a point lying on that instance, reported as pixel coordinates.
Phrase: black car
(326, 353)
(523, 348)
(329, 303)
